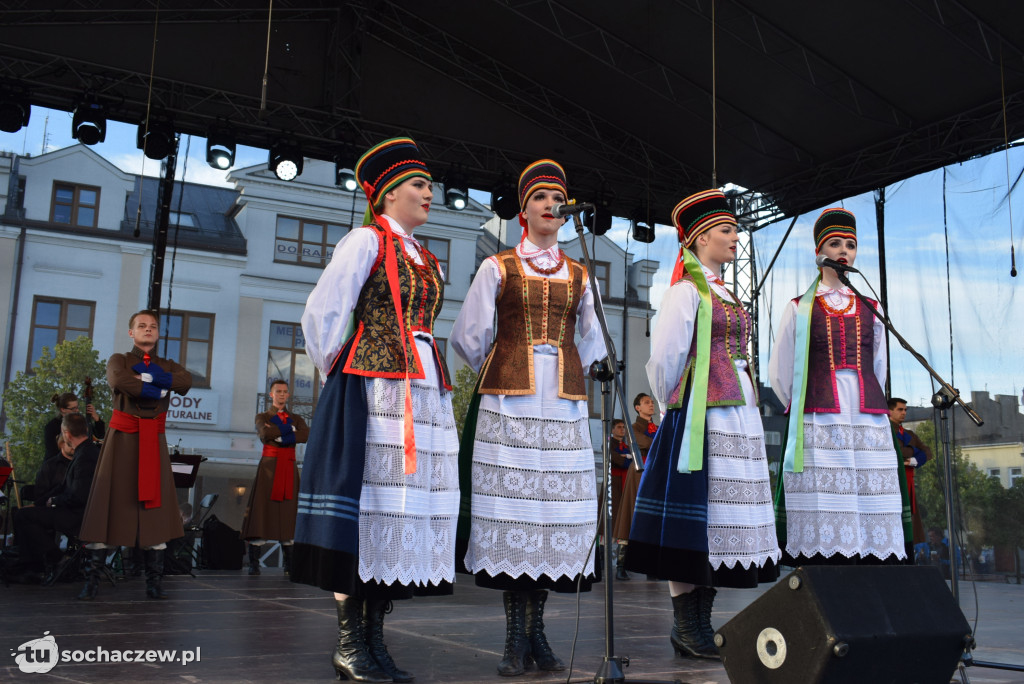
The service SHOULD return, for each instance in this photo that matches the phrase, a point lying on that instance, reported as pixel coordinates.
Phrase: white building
(234, 288)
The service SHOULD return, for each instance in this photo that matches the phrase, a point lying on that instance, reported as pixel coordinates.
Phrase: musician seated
(51, 474)
(35, 528)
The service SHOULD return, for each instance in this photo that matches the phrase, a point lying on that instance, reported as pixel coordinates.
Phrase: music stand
(185, 468)
(6, 484)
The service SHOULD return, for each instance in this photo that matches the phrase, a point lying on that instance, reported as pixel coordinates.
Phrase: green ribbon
(691, 452)
(794, 461)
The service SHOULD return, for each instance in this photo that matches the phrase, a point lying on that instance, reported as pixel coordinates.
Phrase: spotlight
(344, 177)
(456, 194)
(285, 160)
(599, 222)
(14, 111)
(643, 231)
(89, 123)
(220, 148)
(156, 140)
(505, 199)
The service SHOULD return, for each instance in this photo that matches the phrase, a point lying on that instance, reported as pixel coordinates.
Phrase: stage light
(505, 199)
(89, 122)
(344, 177)
(599, 222)
(156, 140)
(220, 148)
(643, 230)
(14, 111)
(456, 193)
(285, 160)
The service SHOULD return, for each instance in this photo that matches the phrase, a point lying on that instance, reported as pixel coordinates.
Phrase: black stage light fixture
(156, 140)
(505, 199)
(456, 192)
(643, 229)
(599, 222)
(344, 176)
(89, 122)
(220, 148)
(285, 160)
(15, 110)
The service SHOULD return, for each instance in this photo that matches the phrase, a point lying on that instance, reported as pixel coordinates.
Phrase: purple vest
(730, 326)
(842, 343)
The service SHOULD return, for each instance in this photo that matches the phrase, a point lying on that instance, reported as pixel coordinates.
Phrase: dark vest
(730, 328)
(377, 349)
(842, 343)
(534, 310)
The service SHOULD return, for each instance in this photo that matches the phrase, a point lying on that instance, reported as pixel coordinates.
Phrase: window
(602, 274)
(1014, 474)
(75, 205)
(182, 220)
(287, 360)
(307, 243)
(187, 337)
(439, 248)
(993, 472)
(442, 345)
(772, 438)
(57, 320)
(594, 397)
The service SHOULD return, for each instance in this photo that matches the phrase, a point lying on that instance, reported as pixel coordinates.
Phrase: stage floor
(266, 629)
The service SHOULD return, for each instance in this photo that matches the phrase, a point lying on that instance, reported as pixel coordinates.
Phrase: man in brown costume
(132, 499)
(273, 499)
(643, 435)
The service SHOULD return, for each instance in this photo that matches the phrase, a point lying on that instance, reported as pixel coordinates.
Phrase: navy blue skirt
(326, 550)
(669, 535)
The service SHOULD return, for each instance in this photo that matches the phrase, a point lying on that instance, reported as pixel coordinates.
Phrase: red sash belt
(149, 451)
(284, 471)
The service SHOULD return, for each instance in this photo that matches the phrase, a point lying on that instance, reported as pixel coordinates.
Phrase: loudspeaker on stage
(831, 624)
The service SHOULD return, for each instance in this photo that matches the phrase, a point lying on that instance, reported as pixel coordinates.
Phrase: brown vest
(377, 349)
(534, 310)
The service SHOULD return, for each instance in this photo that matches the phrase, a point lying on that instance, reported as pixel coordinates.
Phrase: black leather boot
(286, 557)
(254, 559)
(154, 573)
(707, 632)
(351, 658)
(539, 647)
(517, 644)
(686, 634)
(620, 563)
(375, 610)
(97, 559)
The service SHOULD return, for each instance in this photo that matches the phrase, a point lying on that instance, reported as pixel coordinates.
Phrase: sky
(960, 313)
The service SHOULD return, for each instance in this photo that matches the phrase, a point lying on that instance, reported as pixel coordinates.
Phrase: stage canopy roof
(815, 101)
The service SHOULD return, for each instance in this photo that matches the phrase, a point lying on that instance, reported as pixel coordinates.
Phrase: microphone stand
(942, 400)
(610, 671)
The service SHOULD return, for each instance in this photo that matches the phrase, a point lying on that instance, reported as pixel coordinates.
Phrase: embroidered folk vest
(377, 349)
(730, 327)
(534, 310)
(841, 342)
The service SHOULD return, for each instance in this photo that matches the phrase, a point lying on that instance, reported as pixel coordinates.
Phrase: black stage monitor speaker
(847, 623)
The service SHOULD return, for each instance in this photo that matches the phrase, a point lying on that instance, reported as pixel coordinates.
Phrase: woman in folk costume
(273, 501)
(703, 515)
(841, 495)
(533, 500)
(379, 498)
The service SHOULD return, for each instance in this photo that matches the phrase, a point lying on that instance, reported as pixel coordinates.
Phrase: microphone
(823, 261)
(563, 210)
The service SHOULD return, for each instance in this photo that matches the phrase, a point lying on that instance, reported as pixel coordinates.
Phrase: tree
(27, 398)
(462, 394)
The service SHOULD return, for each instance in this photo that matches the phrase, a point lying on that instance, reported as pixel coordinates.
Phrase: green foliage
(991, 515)
(27, 398)
(462, 394)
